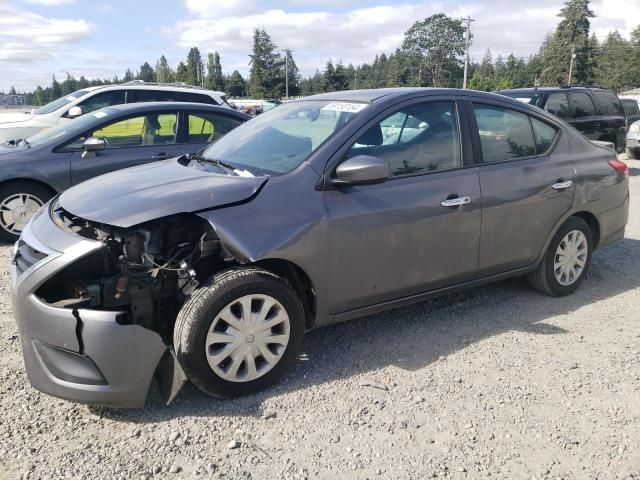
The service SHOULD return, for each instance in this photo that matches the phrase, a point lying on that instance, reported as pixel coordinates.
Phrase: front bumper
(83, 355)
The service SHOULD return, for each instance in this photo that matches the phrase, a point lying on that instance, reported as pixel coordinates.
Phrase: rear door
(612, 117)
(526, 177)
(585, 115)
(131, 141)
(204, 127)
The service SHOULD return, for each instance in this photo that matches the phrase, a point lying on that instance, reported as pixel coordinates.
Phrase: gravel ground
(497, 382)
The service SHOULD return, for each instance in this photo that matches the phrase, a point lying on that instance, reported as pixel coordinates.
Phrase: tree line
(430, 55)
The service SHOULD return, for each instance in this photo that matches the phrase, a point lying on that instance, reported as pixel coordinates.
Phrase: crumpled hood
(14, 117)
(136, 195)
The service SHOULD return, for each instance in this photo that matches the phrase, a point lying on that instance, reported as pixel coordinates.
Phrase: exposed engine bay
(146, 271)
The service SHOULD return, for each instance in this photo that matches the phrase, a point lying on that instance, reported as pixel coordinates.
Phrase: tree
(182, 73)
(215, 80)
(236, 86)
(146, 73)
(39, 97)
(292, 74)
(613, 58)
(56, 90)
(266, 66)
(164, 74)
(12, 91)
(195, 67)
(128, 76)
(435, 45)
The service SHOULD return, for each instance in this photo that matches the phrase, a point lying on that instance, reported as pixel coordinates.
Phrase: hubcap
(247, 338)
(571, 257)
(17, 210)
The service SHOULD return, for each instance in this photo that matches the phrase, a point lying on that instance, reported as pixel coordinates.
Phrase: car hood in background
(14, 117)
(136, 195)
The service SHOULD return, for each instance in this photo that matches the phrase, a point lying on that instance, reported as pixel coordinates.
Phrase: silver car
(211, 267)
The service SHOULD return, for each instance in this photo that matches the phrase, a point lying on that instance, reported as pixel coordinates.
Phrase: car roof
(567, 88)
(373, 95)
(171, 87)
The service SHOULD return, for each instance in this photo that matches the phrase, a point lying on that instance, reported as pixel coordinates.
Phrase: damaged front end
(96, 304)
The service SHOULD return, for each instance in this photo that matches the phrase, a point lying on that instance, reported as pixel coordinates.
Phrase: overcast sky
(39, 38)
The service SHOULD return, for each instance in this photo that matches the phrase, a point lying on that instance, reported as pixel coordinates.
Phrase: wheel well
(31, 181)
(592, 221)
(299, 280)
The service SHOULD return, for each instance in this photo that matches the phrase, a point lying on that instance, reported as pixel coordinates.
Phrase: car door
(204, 127)
(585, 116)
(130, 141)
(397, 238)
(612, 117)
(527, 182)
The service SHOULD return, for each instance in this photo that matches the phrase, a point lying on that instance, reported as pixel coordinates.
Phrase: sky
(99, 39)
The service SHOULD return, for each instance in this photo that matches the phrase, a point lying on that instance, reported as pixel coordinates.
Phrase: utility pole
(355, 83)
(467, 41)
(573, 56)
(286, 73)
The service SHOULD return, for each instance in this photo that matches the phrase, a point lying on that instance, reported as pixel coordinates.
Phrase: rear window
(631, 107)
(582, 105)
(169, 96)
(558, 105)
(609, 103)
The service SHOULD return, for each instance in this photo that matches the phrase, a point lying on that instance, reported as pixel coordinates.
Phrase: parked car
(212, 267)
(595, 112)
(631, 110)
(16, 126)
(32, 171)
(633, 141)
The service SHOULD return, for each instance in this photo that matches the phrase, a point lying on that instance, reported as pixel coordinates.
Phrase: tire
(202, 316)
(545, 279)
(631, 154)
(31, 195)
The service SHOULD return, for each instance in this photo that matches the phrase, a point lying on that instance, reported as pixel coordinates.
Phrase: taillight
(619, 166)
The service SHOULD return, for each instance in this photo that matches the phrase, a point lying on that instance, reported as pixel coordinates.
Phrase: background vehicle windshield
(78, 126)
(278, 141)
(61, 102)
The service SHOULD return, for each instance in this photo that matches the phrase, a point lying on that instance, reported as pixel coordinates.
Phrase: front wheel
(240, 332)
(19, 201)
(566, 261)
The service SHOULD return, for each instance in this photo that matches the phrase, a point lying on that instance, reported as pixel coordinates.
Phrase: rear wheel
(19, 201)
(239, 333)
(566, 261)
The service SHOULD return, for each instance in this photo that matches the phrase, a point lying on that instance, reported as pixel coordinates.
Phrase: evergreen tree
(128, 76)
(215, 80)
(182, 73)
(613, 58)
(194, 67)
(236, 86)
(265, 63)
(56, 90)
(147, 74)
(164, 74)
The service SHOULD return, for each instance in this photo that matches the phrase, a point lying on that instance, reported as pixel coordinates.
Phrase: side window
(419, 139)
(101, 100)
(136, 96)
(630, 107)
(558, 105)
(146, 130)
(504, 134)
(609, 103)
(205, 127)
(544, 135)
(195, 98)
(582, 104)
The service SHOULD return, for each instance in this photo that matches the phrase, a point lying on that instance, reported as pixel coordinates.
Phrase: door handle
(562, 185)
(160, 156)
(455, 202)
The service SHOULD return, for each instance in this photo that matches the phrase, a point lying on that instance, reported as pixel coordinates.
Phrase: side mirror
(74, 112)
(362, 170)
(93, 144)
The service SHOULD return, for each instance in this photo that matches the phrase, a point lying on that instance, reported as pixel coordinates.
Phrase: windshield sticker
(344, 107)
(523, 99)
(100, 114)
(71, 98)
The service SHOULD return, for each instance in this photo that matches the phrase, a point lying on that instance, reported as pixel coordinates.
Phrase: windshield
(78, 126)
(530, 98)
(61, 102)
(279, 140)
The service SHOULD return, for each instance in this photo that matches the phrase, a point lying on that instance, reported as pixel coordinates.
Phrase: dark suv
(595, 112)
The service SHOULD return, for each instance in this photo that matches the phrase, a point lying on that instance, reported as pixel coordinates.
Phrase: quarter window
(209, 127)
(609, 103)
(504, 134)
(147, 130)
(582, 104)
(558, 105)
(419, 139)
(544, 135)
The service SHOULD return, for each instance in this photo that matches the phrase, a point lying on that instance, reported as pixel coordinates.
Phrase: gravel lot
(497, 382)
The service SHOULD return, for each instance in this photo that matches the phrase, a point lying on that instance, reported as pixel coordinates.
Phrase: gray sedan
(212, 267)
(34, 170)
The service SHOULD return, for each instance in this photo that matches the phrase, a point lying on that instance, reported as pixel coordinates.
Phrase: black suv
(595, 112)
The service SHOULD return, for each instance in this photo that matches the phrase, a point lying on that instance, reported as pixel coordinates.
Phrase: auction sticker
(345, 107)
(100, 114)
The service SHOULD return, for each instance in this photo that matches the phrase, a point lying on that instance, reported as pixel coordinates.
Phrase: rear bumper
(82, 355)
